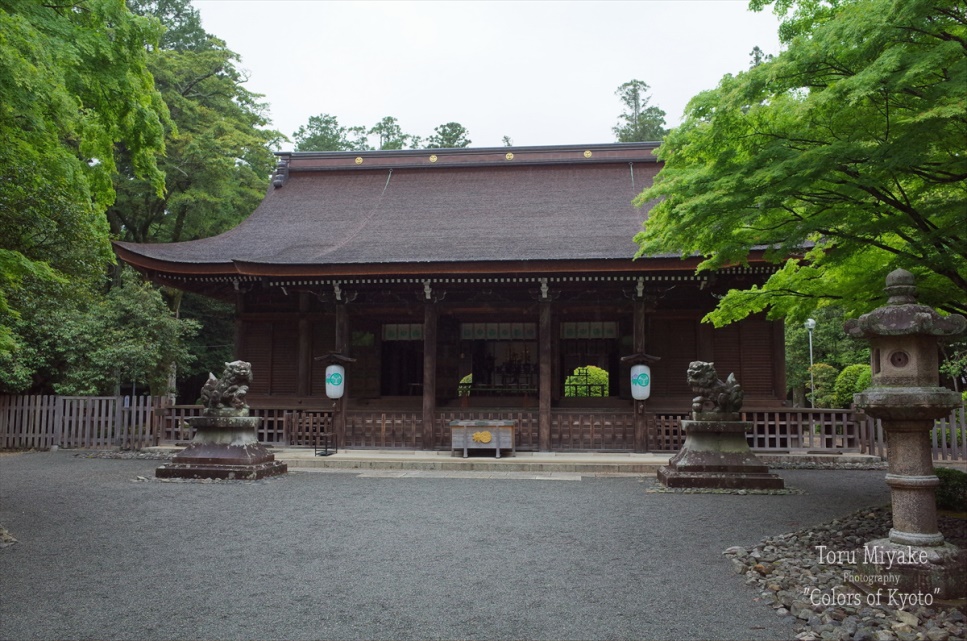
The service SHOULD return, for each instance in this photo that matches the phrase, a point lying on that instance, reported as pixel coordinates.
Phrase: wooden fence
(949, 437)
(40, 422)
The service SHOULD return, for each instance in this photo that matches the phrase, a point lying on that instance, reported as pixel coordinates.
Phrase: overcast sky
(543, 73)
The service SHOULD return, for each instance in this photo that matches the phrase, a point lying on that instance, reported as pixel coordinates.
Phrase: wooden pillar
(341, 347)
(642, 443)
(779, 360)
(305, 347)
(546, 377)
(556, 375)
(429, 373)
(639, 326)
(239, 324)
(706, 342)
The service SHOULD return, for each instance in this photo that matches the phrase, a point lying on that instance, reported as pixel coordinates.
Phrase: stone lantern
(907, 397)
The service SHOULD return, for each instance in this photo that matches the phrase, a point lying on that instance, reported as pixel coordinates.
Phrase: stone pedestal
(716, 455)
(914, 559)
(224, 447)
(937, 570)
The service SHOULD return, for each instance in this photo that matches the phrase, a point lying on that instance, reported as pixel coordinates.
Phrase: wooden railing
(303, 427)
(664, 431)
(820, 429)
(774, 429)
(383, 429)
(40, 422)
(592, 430)
(172, 423)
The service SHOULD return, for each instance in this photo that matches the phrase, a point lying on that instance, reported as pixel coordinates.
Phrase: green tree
(130, 335)
(38, 299)
(830, 345)
(182, 23)
(842, 158)
(79, 341)
(211, 347)
(218, 161)
(587, 381)
(506, 141)
(448, 136)
(954, 366)
(324, 133)
(640, 122)
(391, 136)
(758, 56)
(219, 154)
(77, 96)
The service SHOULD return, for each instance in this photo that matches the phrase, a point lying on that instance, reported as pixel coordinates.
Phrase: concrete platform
(609, 463)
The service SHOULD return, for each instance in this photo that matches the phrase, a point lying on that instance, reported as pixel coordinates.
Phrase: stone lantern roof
(902, 315)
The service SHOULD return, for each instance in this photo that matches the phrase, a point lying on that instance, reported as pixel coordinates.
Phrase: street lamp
(810, 325)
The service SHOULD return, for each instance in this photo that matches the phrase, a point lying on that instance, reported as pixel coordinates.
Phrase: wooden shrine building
(469, 284)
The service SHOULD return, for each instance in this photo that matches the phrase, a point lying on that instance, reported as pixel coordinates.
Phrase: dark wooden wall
(752, 349)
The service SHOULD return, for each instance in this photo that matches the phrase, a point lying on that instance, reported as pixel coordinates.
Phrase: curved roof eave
(139, 259)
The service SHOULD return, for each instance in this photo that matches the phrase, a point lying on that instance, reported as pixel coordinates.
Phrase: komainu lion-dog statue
(714, 395)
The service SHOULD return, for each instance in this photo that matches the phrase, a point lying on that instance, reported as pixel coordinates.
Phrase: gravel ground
(338, 556)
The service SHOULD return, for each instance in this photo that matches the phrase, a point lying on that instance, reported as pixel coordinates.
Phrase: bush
(825, 377)
(952, 492)
(852, 380)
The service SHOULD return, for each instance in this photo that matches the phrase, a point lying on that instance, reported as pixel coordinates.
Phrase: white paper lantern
(335, 381)
(640, 382)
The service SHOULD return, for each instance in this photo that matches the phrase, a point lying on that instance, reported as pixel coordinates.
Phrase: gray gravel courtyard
(317, 555)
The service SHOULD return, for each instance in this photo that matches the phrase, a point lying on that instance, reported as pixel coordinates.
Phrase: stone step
(532, 462)
(591, 463)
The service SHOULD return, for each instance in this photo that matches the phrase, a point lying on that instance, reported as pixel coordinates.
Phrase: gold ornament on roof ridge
(587, 154)
(509, 156)
(359, 160)
(432, 157)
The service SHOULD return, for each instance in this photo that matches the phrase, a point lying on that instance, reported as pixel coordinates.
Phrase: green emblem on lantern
(335, 379)
(642, 380)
